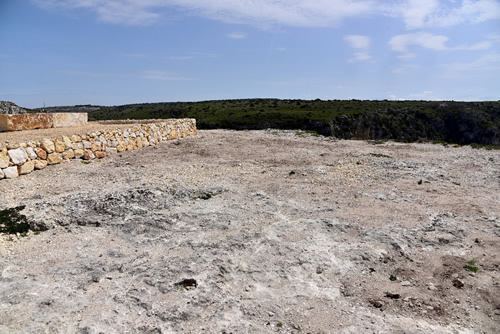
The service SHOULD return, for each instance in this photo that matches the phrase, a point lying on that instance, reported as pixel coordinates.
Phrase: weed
(279, 325)
(471, 266)
(291, 173)
(393, 278)
(85, 162)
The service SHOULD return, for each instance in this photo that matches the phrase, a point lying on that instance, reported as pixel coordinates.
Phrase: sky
(113, 52)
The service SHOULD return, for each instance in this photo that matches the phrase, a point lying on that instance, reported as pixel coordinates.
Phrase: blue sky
(111, 52)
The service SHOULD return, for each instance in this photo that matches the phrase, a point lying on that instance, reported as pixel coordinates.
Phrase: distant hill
(447, 121)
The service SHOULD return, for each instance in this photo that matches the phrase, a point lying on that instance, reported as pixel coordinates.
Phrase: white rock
(1, 174)
(11, 172)
(18, 156)
(31, 153)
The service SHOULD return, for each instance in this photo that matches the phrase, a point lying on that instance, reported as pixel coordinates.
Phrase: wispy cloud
(162, 75)
(359, 42)
(236, 35)
(311, 13)
(488, 64)
(401, 43)
(418, 14)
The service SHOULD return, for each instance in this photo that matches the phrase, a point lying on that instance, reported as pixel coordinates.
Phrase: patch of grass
(12, 221)
(279, 325)
(393, 278)
(471, 266)
(487, 147)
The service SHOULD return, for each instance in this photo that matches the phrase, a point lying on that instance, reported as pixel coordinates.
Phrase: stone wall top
(41, 121)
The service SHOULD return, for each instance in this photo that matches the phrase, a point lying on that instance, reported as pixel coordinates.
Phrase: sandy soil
(258, 232)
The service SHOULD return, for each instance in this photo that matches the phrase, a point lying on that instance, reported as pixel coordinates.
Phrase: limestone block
(88, 155)
(77, 145)
(31, 153)
(11, 172)
(112, 150)
(87, 144)
(54, 158)
(18, 156)
(26, 168)
(121, 147)
(48, 145)
(41, 153)
(13, 146)
(100, 154)
(79, 153)
(40, 164)
(95, 147)
(1, 174)
(138, 142)
(59, 145)
(76, 138)
(67, 142)
(25, 122)
(69, 154)
(61, 120)
(4, 160)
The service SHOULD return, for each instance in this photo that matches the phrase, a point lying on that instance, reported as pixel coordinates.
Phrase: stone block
(41, 153)
(25, 122)
(69, 154)
(4, 160)
(79, 153)
(11, 172)
(40, 164)
(61, 120)
(27, 168)
(18, 156)
(54, 158)
(48, 145)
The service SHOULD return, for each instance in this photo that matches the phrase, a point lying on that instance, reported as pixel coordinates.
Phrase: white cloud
(315, 13)
(359, 42)
(360, 56)
(401, 43)
(236, 35)
(418, 14)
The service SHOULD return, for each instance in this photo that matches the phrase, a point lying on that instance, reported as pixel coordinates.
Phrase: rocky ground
(258, 232)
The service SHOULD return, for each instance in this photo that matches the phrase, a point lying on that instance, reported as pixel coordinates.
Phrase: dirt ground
(258, 232)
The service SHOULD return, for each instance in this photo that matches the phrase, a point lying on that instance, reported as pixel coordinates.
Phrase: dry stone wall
(25, 157)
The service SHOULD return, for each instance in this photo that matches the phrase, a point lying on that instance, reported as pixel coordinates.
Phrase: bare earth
(258, 232)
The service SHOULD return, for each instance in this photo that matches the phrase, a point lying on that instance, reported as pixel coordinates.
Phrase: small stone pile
(9, 108)
(23, 158)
